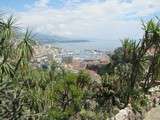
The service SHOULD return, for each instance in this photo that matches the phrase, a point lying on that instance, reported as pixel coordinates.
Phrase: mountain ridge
(43, 38)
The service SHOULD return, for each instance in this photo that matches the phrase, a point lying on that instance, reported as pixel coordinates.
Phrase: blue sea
(87, 50)
(102, 45)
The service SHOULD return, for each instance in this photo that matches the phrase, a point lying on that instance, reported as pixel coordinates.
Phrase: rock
(128, 114)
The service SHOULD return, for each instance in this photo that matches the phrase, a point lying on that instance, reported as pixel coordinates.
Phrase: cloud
(41, 3)
(97, 19)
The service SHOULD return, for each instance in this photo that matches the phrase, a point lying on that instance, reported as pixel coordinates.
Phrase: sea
(101, 45)
(87, 50)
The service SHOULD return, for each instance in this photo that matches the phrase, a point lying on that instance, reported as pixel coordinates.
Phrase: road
(154, 114)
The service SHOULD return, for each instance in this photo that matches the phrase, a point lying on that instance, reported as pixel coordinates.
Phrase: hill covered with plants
(55, 93)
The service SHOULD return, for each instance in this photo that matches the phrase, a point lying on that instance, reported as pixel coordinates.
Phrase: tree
(25, 51)
(83, 79)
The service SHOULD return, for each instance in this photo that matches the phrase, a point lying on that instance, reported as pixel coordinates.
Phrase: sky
(87, 19)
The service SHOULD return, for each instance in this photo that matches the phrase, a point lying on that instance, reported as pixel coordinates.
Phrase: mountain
(57, 39)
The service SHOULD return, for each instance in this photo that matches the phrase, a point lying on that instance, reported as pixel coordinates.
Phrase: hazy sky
(89, 19)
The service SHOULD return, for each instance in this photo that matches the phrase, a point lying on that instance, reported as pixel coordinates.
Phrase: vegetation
(30, 93)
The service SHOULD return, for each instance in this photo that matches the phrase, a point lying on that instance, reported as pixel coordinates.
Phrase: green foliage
(57, 94)
(83, 79)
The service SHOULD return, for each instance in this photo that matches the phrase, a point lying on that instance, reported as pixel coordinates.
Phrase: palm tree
(25, 46)
(7, 30)
(127, 48)
(25, 51)
(153, 38)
